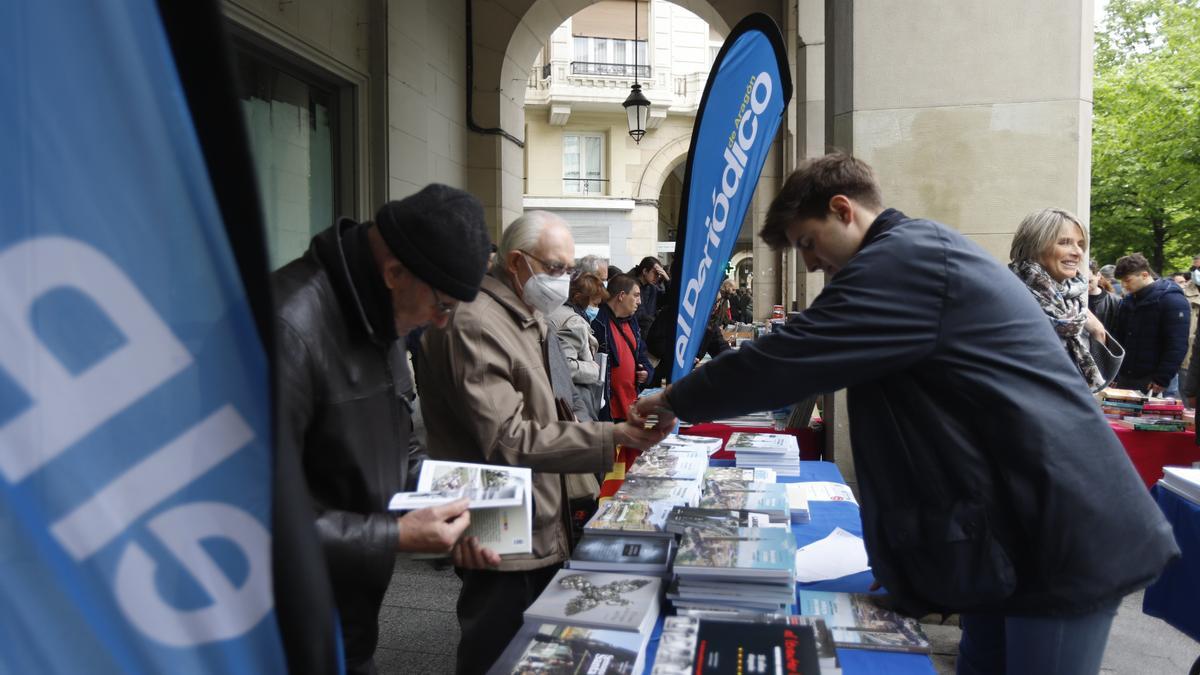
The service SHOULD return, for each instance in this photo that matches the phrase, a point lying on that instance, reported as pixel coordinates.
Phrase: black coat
(1153, 325)
(990, 479)
(341, 411)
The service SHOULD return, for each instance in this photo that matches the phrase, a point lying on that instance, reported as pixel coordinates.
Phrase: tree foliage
(1146, 133)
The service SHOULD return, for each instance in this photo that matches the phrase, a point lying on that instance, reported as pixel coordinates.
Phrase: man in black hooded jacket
(991, 483)
(344, 389)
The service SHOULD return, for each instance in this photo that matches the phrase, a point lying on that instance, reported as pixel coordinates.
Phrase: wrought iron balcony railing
(610, 69)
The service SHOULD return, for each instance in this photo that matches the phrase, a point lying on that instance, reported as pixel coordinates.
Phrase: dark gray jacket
(990, 480)
(340, 412)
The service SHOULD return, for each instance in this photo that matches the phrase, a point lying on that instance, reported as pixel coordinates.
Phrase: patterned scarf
(1066, 305)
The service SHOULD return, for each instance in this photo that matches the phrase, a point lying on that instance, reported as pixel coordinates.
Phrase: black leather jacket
(339, 408)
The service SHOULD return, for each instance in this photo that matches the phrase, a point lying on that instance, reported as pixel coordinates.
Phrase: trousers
(1034, 645)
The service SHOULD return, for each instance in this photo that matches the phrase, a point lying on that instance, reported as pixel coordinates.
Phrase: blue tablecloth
(1175, 597)
(825, 517)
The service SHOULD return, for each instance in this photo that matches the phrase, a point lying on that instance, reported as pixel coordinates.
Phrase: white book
(506, 530)
(599, 600)
(784, 444)
(1182, 481)
(481, 498)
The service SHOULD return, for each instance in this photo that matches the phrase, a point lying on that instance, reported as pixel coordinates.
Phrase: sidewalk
(419, 634)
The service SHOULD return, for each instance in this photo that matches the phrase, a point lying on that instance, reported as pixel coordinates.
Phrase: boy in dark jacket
(1152, 323)
(991, 483)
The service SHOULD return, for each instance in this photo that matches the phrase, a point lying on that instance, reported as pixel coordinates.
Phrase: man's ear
(841, 207)
(392, 273)
(513, 263)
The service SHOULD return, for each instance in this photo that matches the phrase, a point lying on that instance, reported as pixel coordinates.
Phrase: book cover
(636, 554)
(855, 621)
(676, 464)
(680, 492)
(761, 497)
(742, 441)
(563, 649)
(730, 474)
(713, 521)
(481, 498)
(599, 600)
(769, 552)
(505, 530)
(689, 645)
(629, 516)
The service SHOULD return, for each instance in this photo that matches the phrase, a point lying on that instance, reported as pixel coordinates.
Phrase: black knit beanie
(439, 234)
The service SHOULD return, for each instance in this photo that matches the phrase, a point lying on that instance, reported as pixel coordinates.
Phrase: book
(709, 445)
(769, 498)
(646, 555)
(702, 647)
(856, 621)
(599, 600)
(714, 521)
(797, 498)
(564, 649)
(742, 441)
(678, 492)
(506, 530)
(481, 498)
(1183, 481)
(753, 553)
(677, 464)
(630, 516)
(730, 474)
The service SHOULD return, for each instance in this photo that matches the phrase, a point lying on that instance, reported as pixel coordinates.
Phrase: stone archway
(504, 51)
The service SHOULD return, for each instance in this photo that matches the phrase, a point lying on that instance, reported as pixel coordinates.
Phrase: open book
(501, 500)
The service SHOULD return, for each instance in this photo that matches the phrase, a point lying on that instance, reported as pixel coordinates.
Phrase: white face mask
(1196, 277)
(544, 292)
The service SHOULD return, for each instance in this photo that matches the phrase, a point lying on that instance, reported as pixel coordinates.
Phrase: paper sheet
(822, 491)
(838, 555)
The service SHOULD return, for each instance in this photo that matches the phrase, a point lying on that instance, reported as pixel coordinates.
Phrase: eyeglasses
(442, 307)
(554, 269)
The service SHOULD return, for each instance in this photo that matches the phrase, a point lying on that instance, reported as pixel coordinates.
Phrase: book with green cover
(630, 516)
(754, 552)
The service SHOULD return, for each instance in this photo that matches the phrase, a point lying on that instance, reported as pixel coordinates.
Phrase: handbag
(1108, 356)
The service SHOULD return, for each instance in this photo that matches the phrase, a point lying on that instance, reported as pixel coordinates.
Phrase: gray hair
(1038, 232)
(521, 235)
(591, 264)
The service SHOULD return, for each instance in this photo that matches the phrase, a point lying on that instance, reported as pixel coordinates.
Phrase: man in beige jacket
(486, 396)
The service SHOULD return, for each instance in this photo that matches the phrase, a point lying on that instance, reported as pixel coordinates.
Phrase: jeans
(1034, 645)
(1172, 390)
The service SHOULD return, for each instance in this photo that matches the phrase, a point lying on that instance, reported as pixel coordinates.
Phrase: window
(609, 56)
(294, 124)
(583, 164)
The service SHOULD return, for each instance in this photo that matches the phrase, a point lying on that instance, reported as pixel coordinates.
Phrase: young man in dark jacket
(1152, 323)
(991, 483)
(341, 311)
(618, 336)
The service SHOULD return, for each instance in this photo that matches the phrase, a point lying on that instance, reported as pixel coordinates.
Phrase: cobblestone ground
(418, 633)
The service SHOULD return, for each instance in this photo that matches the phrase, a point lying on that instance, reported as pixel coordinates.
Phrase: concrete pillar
(973, 127)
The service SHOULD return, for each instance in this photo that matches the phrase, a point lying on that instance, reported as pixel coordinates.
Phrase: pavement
(418, 633)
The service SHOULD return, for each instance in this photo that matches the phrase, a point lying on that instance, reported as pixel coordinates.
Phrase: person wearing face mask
(616, 330)
(1152, 323)
(487, 396)
(572, 324)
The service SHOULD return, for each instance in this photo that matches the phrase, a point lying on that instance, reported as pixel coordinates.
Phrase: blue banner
(748, 89)
(135, 439)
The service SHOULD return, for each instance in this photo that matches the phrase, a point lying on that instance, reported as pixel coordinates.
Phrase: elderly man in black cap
(344, 388)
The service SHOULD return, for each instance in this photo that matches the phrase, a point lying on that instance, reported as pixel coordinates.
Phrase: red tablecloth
(1150, 451)
(811, 445)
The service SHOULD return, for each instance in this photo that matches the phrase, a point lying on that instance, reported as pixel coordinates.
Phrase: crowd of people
(988, 474)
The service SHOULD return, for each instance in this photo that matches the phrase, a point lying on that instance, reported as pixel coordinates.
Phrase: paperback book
(855, 621)
(599, 600)
(506, 530)
(640, 555)
(715, 522)
(734, 475)
(769, 498)
(716, 648)
(753, 553)
(564, 649)
(678, 492)
(678, 465)
(630, 516)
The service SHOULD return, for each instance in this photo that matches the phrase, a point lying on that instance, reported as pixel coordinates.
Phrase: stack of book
(709, 445)
(1182, 481)
(1189, 419)
(1118, 403)
(691, 646)
(768, 498)
(857, 622)
(585, 622)
(750, 570)
(780, 452)
(663, 477)
(1148, 423)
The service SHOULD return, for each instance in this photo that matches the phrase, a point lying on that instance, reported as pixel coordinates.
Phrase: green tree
(1146, 133)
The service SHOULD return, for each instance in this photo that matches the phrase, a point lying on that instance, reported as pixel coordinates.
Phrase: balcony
(585, 186)
(610, 69)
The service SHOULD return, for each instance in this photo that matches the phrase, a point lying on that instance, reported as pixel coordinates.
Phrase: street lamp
(637, 106)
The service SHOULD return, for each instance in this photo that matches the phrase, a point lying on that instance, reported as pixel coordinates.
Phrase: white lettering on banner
(756, 98)
(67, 408)
(233, 611)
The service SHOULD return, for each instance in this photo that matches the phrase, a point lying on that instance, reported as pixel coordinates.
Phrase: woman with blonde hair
(1049, 253)
(572, 323)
